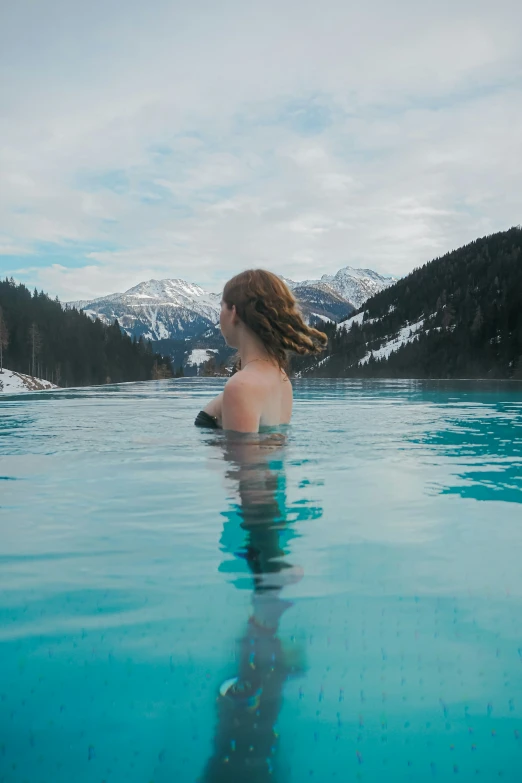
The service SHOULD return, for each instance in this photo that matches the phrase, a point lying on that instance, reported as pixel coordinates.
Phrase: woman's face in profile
(227, 323)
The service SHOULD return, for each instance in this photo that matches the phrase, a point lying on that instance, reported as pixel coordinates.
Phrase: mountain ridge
(354, 284)
(175, 309)
(459, 315)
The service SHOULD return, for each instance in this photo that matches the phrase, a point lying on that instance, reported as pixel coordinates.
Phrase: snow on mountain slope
(355, 285)
(157, 309)
(391, 342)
(405, 335)
(322, 318)
(16, 382)
(200, 355)
(355, 319)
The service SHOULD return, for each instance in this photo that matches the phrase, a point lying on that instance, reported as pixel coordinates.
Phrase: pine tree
(209, 368)
(476, 326)
(35, 341)
(517, 369)
(448, 316)
(160, 372)
(4, 339)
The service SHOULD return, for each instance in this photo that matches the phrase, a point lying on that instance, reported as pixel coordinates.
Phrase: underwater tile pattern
(346, 605)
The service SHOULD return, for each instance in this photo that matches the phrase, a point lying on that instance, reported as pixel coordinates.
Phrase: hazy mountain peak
(158, 309)
(355, 285)
(165, 290)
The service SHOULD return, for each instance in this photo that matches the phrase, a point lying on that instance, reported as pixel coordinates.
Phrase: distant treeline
(471, 304)
(41, 338)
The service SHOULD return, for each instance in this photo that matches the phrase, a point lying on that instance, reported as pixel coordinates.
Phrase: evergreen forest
(39, 337)
(470, 302)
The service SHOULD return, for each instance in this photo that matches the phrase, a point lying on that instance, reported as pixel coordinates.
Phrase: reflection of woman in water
(259, 317)
(248, 704)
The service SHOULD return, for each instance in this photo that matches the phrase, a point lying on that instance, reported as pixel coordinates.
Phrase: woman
(260, 317)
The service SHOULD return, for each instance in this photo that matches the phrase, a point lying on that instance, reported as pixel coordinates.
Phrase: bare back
(256, 396)
(253, 398)
(276, 395)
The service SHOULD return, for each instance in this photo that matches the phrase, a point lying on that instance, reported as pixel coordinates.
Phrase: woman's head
(261, 302)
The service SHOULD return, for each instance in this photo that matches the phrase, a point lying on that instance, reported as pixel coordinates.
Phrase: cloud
(169, 143)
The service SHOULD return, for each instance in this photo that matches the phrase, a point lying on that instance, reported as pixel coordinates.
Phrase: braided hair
(266, 305)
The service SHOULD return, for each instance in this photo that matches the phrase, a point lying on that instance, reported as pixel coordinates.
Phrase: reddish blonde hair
(267, 306)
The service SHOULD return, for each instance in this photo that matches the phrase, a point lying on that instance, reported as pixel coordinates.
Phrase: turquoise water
(345, 605)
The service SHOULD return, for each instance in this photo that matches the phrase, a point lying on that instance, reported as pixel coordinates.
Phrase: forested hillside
(457, 316)
(39, 337)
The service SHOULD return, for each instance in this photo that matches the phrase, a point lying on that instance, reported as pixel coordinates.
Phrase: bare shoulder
(241, 383)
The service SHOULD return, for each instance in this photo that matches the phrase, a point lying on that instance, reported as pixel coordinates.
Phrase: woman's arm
(214, 408)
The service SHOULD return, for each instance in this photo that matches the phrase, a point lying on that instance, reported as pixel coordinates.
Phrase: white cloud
(296, 136)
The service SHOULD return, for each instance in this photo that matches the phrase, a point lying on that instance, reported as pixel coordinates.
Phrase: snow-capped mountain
(176, 309)
(355, 285)
(158, 309)
(319, 300)
(182, 317)
(358, 285)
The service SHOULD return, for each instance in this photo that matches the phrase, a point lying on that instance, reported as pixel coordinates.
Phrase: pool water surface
(340, 603)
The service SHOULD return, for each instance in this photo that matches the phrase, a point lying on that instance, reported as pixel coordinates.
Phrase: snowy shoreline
(16, 382)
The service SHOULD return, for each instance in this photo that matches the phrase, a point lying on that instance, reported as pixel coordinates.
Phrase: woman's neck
(251, 348)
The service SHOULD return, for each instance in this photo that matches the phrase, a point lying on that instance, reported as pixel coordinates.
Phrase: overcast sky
(160, 139)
